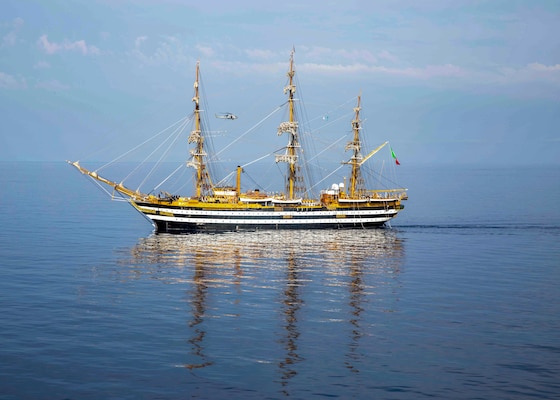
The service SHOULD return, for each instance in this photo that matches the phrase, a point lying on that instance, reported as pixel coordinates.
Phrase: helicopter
(226, 116)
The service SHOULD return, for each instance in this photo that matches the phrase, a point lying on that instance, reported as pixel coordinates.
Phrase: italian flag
(395, 157)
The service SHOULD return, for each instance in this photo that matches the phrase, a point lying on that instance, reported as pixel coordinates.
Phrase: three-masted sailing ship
(214, 208)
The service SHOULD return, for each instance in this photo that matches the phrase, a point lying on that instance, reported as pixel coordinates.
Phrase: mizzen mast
(356, 188)
(295, 179)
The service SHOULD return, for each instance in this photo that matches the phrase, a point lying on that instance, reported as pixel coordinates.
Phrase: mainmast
(356, 181)
(198, 153)
(295, 180)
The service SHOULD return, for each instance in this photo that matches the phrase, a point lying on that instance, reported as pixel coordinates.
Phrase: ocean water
(458, 299)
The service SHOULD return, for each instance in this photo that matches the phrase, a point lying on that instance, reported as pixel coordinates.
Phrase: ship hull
(184, 220)
(186, 227)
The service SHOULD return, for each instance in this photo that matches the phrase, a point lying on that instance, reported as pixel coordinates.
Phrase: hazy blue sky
(443, 80)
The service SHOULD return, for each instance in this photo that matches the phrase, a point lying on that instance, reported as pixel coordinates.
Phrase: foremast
(203, 184)
(294, 187)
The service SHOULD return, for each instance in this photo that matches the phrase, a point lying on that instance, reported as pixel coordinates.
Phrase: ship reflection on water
(289, 299)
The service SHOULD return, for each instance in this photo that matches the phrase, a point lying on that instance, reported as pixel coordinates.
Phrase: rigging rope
(149, 155)
(178, 133)
(182, 120)
(228, 176)
(251, 129)
(166, 179)
(343, 105)
(325, 178)
(258, 159)
(327, 148)
(104, 189)
(225, 179)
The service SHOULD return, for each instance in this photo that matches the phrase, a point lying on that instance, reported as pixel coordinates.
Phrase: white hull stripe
(287, 221)
(268, 214)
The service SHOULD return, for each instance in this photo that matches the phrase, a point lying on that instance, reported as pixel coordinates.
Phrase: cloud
(52, 85)
(8, 81)
(42, 65)
(331, 61)
(258, 54)
(324, 61)
(534, 72)
(239, 68)
(427, 72)
(354, 63)
(18, 22)
(544, 68)
(205, 50)
(385, 55)
(66, 45)
(357, 56)
(168, 51)
(10, 38)
(321, 54)
(139, 40)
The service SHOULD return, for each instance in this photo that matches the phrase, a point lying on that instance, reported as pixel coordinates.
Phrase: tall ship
(218, 207)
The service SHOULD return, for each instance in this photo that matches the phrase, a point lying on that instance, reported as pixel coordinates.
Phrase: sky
(446, 81)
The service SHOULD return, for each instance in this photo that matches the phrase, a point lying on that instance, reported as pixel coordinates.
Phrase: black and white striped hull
(186, 220)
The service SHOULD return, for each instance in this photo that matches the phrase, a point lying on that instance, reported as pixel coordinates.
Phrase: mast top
(291, 72)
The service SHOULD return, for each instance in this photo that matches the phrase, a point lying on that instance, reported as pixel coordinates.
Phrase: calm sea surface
(460, 299)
